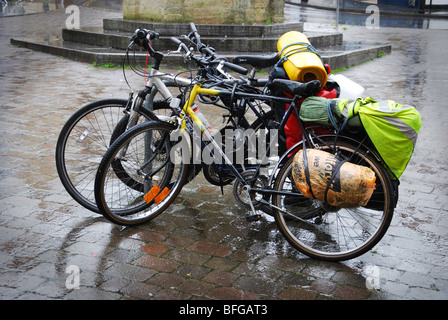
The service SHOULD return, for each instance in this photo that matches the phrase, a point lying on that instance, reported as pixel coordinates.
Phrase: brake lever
(174, 52)
(186, 53)
(220, 68)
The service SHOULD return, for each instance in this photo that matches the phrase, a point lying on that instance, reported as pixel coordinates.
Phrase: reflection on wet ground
(18, 8)
(24, 7)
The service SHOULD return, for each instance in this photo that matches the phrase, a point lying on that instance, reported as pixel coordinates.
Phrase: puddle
(20, 8)
(25, 7)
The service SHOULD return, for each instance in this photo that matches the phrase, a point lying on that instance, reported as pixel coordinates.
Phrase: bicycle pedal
(253, 218)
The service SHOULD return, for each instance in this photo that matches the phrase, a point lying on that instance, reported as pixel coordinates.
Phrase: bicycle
(294, 213)
(122, 177)
(88, 133)
(85, 137)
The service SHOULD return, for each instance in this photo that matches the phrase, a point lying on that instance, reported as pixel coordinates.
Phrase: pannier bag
(328, 179)
(392, 127)
(328, 112)
(300, 59)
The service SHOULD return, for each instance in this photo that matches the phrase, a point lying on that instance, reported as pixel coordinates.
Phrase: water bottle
(202, 118)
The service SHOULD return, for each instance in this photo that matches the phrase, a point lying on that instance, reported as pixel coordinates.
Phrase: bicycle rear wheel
(85, 138)
(150, 175)
(331, 233)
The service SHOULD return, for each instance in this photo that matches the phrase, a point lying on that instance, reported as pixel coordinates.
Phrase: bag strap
(305, 139)
(307, 170)
(306, 47)
(331, 116)
(335, 172)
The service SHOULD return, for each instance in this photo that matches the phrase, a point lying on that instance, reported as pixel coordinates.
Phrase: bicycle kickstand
(255, 216)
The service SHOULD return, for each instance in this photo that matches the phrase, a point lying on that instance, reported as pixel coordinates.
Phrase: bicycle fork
(134, 114)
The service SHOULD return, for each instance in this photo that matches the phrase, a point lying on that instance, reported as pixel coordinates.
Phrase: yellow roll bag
(352, 185)
(300, 60)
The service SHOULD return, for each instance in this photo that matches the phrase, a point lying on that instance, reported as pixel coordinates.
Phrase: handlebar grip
(236, 68)
(193, 27)
(175, 40)
(153, 35)
(142, 33)
(197, 38)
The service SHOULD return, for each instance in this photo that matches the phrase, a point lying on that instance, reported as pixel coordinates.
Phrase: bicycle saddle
(257, 61)
(298, 88)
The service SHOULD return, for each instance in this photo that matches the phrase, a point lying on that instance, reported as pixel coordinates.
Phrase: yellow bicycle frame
(155, 193)
(197, 89)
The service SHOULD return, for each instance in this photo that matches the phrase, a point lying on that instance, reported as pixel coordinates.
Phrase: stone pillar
(205, 11)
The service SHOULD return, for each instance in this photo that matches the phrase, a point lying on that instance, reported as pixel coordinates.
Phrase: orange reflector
(162, 195)
(151, 194)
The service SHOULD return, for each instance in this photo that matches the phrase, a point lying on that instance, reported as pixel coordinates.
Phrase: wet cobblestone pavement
(203, 247)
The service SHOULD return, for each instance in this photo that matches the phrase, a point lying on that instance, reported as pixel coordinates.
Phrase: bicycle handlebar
(210, 57)
(142, 38)
(197, 37)
(235, 67)
(209, 52)
(143, 33)
(181, 45)
(202, 48)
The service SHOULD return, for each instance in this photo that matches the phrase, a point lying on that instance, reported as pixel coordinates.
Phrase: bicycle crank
(244, 196)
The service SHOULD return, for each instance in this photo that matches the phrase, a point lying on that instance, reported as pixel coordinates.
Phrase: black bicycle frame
(293, 107)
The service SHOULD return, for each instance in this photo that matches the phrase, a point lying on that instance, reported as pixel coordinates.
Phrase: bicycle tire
(146, 146)
(77, 173)
(335, 234)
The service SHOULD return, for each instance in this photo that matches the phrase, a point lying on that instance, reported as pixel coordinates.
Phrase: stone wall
(205, 11)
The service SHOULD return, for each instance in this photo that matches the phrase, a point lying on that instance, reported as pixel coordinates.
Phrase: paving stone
(347, 292)
(155, 263)
(154, 249)
(189, 271)
(130, 272)
(195, 287)
(298, 294)
(220, 277)
(166, 280)
(210, 248)
(227, 293)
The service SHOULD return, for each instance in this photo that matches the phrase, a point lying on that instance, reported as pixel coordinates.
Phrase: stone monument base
(245, 12)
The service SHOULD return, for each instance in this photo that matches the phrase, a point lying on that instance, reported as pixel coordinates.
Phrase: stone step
(120, 40)
(108, 44)
(339, 56)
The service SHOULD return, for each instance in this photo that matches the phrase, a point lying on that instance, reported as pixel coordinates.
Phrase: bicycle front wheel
(85, 138)
(331, 233)
(150, 174)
